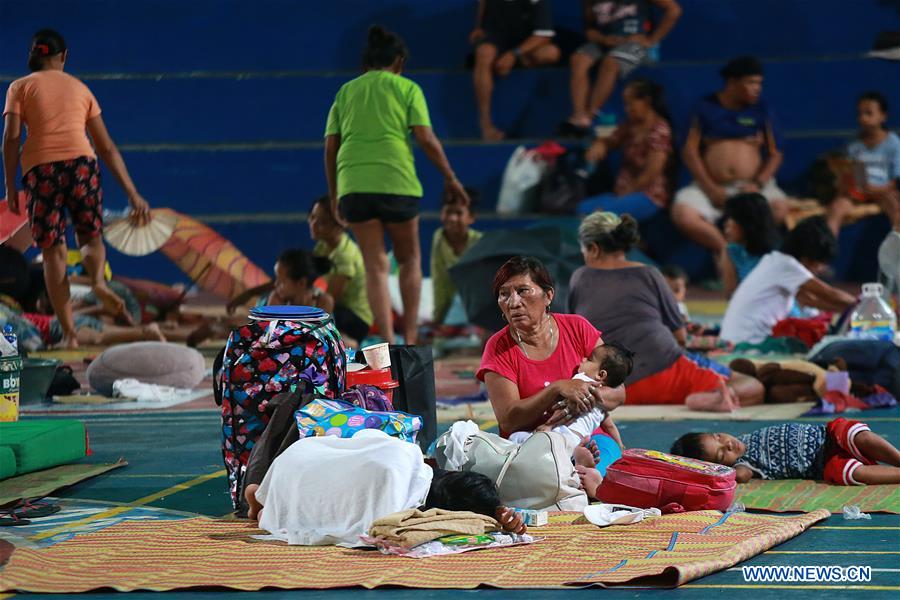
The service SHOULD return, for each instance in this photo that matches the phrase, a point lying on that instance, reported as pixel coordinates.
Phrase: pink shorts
(842, 458)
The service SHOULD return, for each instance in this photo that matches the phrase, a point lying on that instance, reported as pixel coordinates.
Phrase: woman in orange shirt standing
(60, 171)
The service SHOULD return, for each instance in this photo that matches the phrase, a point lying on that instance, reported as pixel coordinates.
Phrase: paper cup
(377, 356)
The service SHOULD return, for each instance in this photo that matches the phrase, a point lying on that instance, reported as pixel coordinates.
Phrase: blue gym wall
(219, 106)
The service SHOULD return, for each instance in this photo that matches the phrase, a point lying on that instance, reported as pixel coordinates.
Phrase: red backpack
(651, 479)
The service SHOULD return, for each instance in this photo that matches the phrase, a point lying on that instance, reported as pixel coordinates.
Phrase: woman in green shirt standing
(370, 170)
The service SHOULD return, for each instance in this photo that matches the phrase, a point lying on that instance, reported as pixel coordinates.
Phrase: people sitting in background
(843, 452)
(508, 33)
(302, 500)
(449, 243)
(878, 149)
(618, 37)
(733, 146)
(677, 281)
(751, 233)
(346, 277)
(767, 294)
(644, 184)
(296, 271)
(634, 307)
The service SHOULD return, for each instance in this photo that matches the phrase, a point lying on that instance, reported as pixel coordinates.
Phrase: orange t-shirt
(55, 108)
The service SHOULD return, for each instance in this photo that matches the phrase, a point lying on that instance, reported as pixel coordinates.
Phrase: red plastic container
(380, 378)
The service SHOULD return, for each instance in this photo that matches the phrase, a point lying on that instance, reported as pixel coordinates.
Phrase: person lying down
(328, 490)
(609, 365)
(843, 452)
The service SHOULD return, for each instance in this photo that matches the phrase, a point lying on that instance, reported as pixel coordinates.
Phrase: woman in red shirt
(528, 365)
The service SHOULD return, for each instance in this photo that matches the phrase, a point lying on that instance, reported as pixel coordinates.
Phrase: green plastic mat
(43, 483)
(790, 495)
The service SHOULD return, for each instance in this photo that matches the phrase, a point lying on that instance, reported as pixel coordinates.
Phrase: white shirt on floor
(763, 298)
(575, 431)
(328, 490)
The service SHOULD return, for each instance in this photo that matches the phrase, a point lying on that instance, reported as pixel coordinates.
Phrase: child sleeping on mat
(609, 365)
(843, 452)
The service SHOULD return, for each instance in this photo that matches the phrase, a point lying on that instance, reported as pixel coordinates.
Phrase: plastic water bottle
(873, 318)
(10, 345)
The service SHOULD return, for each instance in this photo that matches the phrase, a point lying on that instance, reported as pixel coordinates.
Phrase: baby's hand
(510, 520)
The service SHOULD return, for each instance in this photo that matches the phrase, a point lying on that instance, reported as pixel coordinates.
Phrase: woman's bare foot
(252, 502)
(590, 480)
(587, 453)
(721, 400)
(152, 333)
(112, 303)
(489, 133)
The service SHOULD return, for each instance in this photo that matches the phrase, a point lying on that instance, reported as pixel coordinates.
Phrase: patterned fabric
(788, 451)
(71, 185)
(803, 495)
(262, 359)
(369, 397)
(636, 148)
(340, 419)
(664, 552)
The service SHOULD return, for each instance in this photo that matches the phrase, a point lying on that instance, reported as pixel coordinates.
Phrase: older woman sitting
(636, 309)
(528, 365)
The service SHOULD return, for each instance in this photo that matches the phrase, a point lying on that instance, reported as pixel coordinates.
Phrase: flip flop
(32, 511)
(13, 522)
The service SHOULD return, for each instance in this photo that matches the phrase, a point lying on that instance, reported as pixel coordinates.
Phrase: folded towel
(409, 528)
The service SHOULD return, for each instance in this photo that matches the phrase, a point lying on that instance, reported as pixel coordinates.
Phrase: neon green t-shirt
(442, 258)
(346, 259)
(373, 114)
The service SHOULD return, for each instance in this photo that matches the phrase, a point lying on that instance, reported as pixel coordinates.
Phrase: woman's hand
(140, 210)
(12, 197)
(455, 189)
(510, 520)
(336, 212)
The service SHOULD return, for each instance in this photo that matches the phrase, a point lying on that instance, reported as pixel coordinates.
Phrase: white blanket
(328, 490)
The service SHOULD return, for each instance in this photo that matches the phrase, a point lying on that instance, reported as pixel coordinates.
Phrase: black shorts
(388, 208)
(350, 323)
(503, 40)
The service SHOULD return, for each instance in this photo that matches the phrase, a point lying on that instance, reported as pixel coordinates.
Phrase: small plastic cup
(377, 356)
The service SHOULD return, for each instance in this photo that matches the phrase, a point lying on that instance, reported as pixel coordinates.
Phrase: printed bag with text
(651, 479)
(341, 419)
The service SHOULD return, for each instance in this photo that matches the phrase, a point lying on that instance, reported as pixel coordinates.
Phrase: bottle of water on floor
(873, 317)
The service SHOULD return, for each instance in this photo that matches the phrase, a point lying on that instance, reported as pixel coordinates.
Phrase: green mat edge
(38, 490)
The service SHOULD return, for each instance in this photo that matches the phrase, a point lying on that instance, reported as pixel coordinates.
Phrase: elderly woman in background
(636, 309)
(528, 365)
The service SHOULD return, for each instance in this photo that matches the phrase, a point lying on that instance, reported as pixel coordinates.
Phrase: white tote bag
(520, 179)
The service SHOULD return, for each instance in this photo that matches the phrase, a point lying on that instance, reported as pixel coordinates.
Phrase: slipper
(13, 522)
(32, 511)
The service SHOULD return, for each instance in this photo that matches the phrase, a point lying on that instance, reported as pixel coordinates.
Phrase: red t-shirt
(502, 355)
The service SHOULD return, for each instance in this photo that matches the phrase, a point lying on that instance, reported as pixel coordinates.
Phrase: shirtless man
(731, 147)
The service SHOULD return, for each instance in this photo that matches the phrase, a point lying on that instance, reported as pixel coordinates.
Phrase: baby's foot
(582, 456)
(590, 480)
(591, 445)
